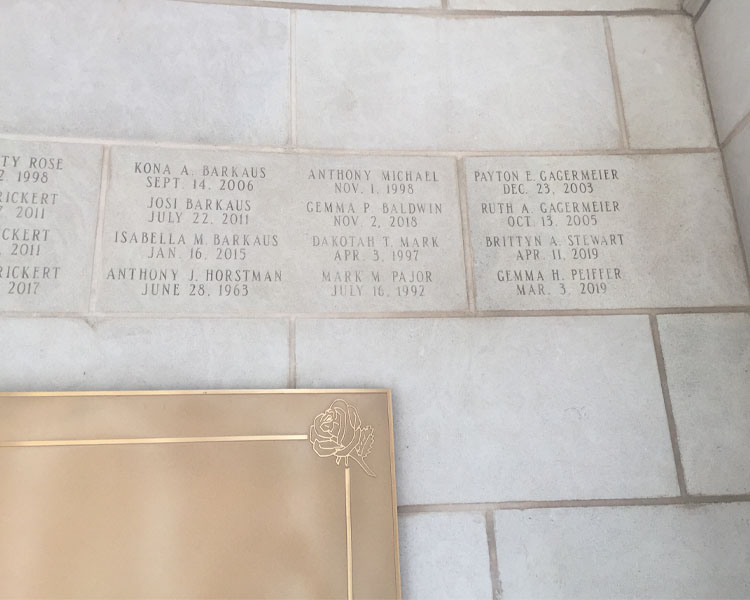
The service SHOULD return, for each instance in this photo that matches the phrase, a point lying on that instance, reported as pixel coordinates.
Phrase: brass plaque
(211, 494)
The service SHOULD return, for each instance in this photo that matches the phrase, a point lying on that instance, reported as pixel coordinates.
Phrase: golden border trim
(349, 554)
(244, 438)
(137, 441)
(396, 556)
(69, 394)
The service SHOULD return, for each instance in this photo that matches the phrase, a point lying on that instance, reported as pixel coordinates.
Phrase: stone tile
(692, 6)
(737, 159)
(506, 409)
(150, 69)
(708, 369)
(374, 3)
(603, 232)
(49, 201)
(566, 5)
(136, 354)
(625, 552)
(200, 231)
(444, 556)
(722, 34)
(663, 93)
(438, 83)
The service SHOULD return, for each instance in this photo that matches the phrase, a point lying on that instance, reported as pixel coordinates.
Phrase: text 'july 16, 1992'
(229, 232)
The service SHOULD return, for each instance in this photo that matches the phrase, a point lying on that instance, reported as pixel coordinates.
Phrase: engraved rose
(338, 432)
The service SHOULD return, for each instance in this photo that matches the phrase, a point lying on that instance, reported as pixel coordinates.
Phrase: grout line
(620, 105)
(444, 4)
(471, 283)
(497, 586)
(99, 231)
(699, 58)
(446, 314)
(293, 352)
(741, 124)
(293, 78)
(727, 186)
(659, 351)
(742, 243)
(433, 11)
(354, 151)
(701, 10)
(484, 507)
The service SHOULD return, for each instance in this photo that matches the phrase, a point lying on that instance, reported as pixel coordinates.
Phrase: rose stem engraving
(338, 432)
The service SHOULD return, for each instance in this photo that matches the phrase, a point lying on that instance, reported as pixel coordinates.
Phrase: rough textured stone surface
(506, 409)
(138, 354)
(708, 368)
(722, 34)
(603, 232)
(629, 552)
(437, 83)
(665, 100)
(444, 556)
(149, 69)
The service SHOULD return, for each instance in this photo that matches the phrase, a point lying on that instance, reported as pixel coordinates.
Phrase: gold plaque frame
(348, 444)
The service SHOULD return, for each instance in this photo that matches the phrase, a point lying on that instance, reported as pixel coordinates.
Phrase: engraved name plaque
(230, 232)
(49, 197)
(215, 494)
(602, 232)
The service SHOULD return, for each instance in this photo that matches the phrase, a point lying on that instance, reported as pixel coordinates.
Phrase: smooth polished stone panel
(49, 199)
(221, 232)
(507, 409)
(412, 82)
(603, 232)
(737, 159)
(708, 369)
(722, 33)
(136, 354)
(444, 556)
(566, 5)
(149, 69)
(650, 552)
(663, 93)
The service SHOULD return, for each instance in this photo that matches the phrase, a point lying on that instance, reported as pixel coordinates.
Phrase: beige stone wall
(570, 381)
(721, 28)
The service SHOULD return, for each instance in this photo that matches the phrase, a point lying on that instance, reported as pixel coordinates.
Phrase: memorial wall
(514, 214)
(124, 229)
